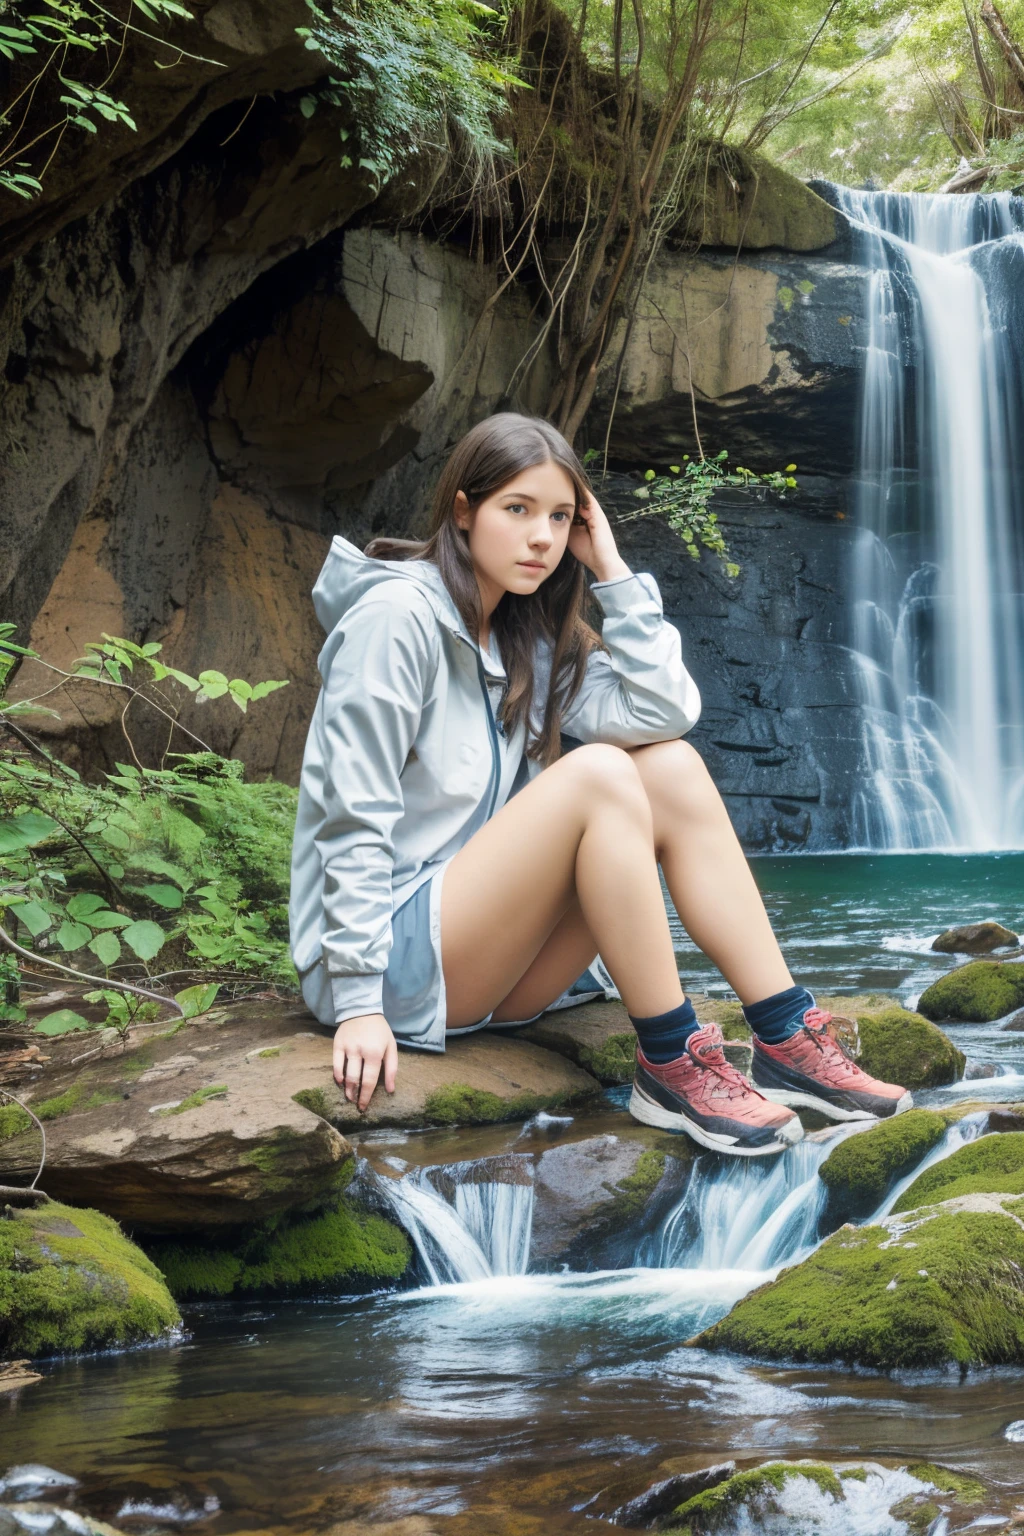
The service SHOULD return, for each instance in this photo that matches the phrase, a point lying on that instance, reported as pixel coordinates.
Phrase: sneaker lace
(817, 1022)
(709, 1057)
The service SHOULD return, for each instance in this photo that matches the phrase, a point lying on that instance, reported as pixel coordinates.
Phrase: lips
(531, 565)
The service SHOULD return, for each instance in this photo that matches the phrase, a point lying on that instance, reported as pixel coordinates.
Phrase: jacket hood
(347, 574)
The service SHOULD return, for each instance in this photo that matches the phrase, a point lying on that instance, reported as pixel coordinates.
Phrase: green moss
(860, 1170)
(947, 1288)
(70, 1280)
(1015, 1208)
(198, 1099)
(339, 1249)
(991, 1165)
(458, 1104)
(75, 1097)
(272, 1050)
(967, 1489)
(975, 993)
(314, 1099)
(612, 1062)
(756, 1491)
(13, 1120)
(786, 297)
(728, 1017)
(916, 1516)
(902, 1047)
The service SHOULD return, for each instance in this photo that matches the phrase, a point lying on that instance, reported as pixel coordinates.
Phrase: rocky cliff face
(224, 351)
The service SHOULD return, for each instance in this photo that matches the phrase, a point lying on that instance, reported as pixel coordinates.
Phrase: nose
(540, 534)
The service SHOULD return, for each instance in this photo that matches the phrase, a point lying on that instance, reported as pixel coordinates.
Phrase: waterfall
(467, 1221)
(938, 629)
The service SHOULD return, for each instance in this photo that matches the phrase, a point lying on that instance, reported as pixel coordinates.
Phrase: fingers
(371, 1072)
(391, 1066)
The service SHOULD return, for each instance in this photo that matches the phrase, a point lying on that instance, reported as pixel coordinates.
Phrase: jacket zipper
(495, 749)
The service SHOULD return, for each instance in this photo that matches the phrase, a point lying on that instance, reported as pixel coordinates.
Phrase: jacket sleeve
(638, 691)
(372, 700)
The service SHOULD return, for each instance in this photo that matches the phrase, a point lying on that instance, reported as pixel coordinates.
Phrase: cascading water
(465, 1227)
(938, 569)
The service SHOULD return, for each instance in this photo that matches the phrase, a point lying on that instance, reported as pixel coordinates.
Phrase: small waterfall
(740, 1213)
(938, 610)
(965, 1130)
(467, 1221)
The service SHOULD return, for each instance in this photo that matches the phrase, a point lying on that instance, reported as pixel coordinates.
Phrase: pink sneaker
(701, 1094)
(814, 1069)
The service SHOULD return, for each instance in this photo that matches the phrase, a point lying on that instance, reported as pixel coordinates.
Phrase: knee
(601, 773)
(673, 774)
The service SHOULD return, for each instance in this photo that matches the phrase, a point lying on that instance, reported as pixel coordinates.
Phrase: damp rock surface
(938, 1286)
(974, 939)
(70, 1280)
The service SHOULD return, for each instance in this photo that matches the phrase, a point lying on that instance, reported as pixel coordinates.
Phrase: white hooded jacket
(404, 760)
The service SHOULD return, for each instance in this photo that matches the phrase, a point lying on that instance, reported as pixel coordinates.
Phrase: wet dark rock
(974, 939)
(661, 1498)
(31, 1479)
(1016, 1023)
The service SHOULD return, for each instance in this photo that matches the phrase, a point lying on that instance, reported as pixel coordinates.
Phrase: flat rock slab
(235, 1116)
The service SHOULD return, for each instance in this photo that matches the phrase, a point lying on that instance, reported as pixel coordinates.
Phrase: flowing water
(495, 1398)
(938, 573)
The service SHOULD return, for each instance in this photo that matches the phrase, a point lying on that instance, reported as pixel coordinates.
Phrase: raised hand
(592, 542)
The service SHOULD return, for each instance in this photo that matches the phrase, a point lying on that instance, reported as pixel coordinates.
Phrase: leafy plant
(410, 73)
(66, 38)
(683, 499)
(184, 861)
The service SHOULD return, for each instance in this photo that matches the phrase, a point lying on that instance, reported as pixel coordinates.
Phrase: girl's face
(518, 534)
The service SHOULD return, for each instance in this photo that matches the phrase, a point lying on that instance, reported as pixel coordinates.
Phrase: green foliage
(945, 1288)
(975, 993)
(459, 1104)
(184, 860)
(683, 499)
(860, 1170)
(340, 1249)
(198, 1099)
(991, 1165)
(70, 1280)
(70, 39)
(410, 73)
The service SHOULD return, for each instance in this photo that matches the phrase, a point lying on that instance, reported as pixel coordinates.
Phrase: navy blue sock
(778, 1017)
(663, 1036)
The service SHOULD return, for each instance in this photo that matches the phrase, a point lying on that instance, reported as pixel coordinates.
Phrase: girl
(453, 868)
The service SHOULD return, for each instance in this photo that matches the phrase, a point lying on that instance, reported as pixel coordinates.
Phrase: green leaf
(35, 917)
(104, 919)
(196, 1000)
(117, 837)
(25, 831)
(167, 896)
(106, 947)
(307, 105)
(62, 1023)
(72, 935)
(260, 690)
(145, 939)
(84, 903)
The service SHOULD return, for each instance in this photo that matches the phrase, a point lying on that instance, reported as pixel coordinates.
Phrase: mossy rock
(975, 993)
(860, 1170)
(750, 202)
(944, 1288)
(459, 1104)
(903, 1047)
(752, 1496)
(70, 1280)
(342, 1249)
(992, 1165)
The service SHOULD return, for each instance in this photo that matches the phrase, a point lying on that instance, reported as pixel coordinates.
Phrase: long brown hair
(484, 460)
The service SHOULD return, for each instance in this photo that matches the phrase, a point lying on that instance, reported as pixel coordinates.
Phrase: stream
(493, 1398)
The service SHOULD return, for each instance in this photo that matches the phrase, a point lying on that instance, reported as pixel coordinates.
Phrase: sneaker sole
(795, 1100)
(649, 1113)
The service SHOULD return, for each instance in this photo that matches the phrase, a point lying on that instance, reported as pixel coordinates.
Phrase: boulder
(974, 939)
(861, 1170)
(233, 1118)
(943, 1285)
(809, 1492)
(595, 1198)
(195, 1125)
(990, 1165)
(32, 1515)
(664, 1496)
(975, 993)
(897, 1045)
(70, 1280)
(1016, 1024)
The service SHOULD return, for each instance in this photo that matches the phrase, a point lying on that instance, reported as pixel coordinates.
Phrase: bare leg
(568, 867)
(707, 873)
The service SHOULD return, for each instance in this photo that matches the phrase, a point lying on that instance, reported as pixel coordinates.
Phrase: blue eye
(562, 515)
(514, 504)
